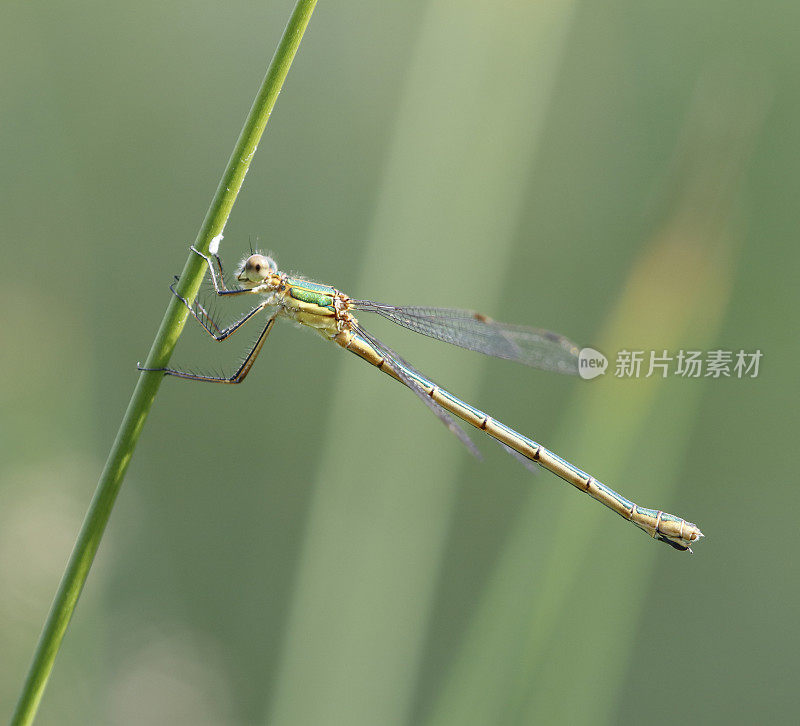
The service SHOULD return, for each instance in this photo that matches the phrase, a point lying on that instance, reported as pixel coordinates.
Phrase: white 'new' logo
(591, 363)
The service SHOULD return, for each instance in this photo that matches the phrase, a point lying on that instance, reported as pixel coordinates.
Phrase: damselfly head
(255, 269)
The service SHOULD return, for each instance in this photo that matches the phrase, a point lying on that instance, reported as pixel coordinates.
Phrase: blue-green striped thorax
(311, 292)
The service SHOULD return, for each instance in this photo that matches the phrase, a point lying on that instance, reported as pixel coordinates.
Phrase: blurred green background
(313, 547)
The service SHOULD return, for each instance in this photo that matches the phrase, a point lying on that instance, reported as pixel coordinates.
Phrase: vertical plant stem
(119, 457)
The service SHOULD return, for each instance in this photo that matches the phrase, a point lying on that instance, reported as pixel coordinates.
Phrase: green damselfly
(331, 314)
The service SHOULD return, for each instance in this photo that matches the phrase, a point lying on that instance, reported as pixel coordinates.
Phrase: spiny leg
(196, 305)
(219, 334)
(219, 269)
(219, 284)
(206, 315)
(237, 377)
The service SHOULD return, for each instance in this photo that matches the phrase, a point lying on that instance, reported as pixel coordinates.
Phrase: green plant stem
(119, 457)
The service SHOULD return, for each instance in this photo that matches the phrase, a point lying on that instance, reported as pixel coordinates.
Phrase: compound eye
(257, 267)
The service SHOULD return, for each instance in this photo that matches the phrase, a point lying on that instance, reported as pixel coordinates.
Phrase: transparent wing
(402, 369)
(466, 328)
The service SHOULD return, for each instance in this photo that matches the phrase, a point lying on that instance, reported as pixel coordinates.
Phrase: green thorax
(311, 292)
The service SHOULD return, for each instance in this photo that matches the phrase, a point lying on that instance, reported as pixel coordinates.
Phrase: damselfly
(331, 314)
